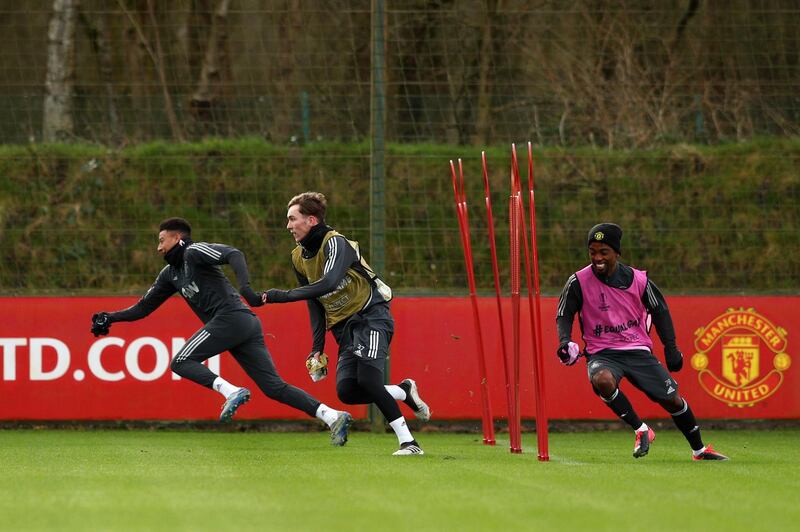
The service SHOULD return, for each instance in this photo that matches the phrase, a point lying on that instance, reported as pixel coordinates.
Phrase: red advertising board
(739, 356)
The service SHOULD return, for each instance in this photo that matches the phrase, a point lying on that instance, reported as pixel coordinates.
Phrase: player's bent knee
(371, 387)
(348, 397)
(177, 366)
(674, 404)
(604, 382)
(347, 393)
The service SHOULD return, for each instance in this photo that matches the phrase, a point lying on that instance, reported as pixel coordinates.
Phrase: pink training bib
(614, 318)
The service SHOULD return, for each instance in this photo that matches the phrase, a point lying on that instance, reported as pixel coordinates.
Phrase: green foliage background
(82, 219)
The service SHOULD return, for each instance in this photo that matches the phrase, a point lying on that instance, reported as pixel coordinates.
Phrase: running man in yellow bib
(346, 297)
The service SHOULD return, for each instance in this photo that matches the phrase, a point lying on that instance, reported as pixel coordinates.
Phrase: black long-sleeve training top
(201, 282)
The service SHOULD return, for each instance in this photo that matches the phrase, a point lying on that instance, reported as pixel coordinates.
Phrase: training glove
(273, 295)
(101, 323)
(317, 366)
(674, 358)
(252, 297)
(568, 353)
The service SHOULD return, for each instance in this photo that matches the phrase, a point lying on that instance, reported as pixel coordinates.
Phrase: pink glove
(568, 353)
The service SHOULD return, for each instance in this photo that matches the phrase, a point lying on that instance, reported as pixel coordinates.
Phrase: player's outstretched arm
(339, 257)
(159, 292)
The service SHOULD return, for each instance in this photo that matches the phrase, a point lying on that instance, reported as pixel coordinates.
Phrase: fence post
(377, 223)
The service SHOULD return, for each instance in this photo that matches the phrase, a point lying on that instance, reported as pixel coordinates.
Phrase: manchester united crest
(729, 357)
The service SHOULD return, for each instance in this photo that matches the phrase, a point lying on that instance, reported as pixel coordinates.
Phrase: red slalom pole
(532, 313)
(527, 256)
(463, 222)
(541, 410)
(515, 424)
(488, 418)
(497, 287)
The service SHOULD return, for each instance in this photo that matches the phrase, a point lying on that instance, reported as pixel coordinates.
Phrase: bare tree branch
(157, 58)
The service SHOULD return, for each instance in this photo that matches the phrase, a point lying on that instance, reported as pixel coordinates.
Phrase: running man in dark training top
(346, 297)
(194, 270)
(616, 304)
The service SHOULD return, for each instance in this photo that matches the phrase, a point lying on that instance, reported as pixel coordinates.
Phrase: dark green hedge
(78, 219)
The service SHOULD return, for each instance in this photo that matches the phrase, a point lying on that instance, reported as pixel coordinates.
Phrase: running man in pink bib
(617, 305)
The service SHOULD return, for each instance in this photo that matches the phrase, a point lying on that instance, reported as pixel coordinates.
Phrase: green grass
(146, 480)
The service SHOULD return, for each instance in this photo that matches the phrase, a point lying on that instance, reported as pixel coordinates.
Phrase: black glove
(252, 297)
(101, 323)
(568, 353)
(273, 295)
(674, 358)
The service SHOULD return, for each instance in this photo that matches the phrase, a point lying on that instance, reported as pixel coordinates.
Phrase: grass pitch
(150, 480)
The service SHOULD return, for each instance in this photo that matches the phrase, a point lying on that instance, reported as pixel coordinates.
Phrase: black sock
(620, 405)
(406, 387)
(687, 424)
(370, 379)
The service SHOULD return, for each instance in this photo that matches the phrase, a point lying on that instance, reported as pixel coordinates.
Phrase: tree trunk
(59, 84)
(99, 38)
(208, 100)
(484, 103)
(287, 79)
(158, 59)
(138, 76)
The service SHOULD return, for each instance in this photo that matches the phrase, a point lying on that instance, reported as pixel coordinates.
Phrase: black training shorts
(364, 339)
(640, 367)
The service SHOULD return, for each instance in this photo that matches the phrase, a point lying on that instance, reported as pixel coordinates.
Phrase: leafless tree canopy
(618, 74)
